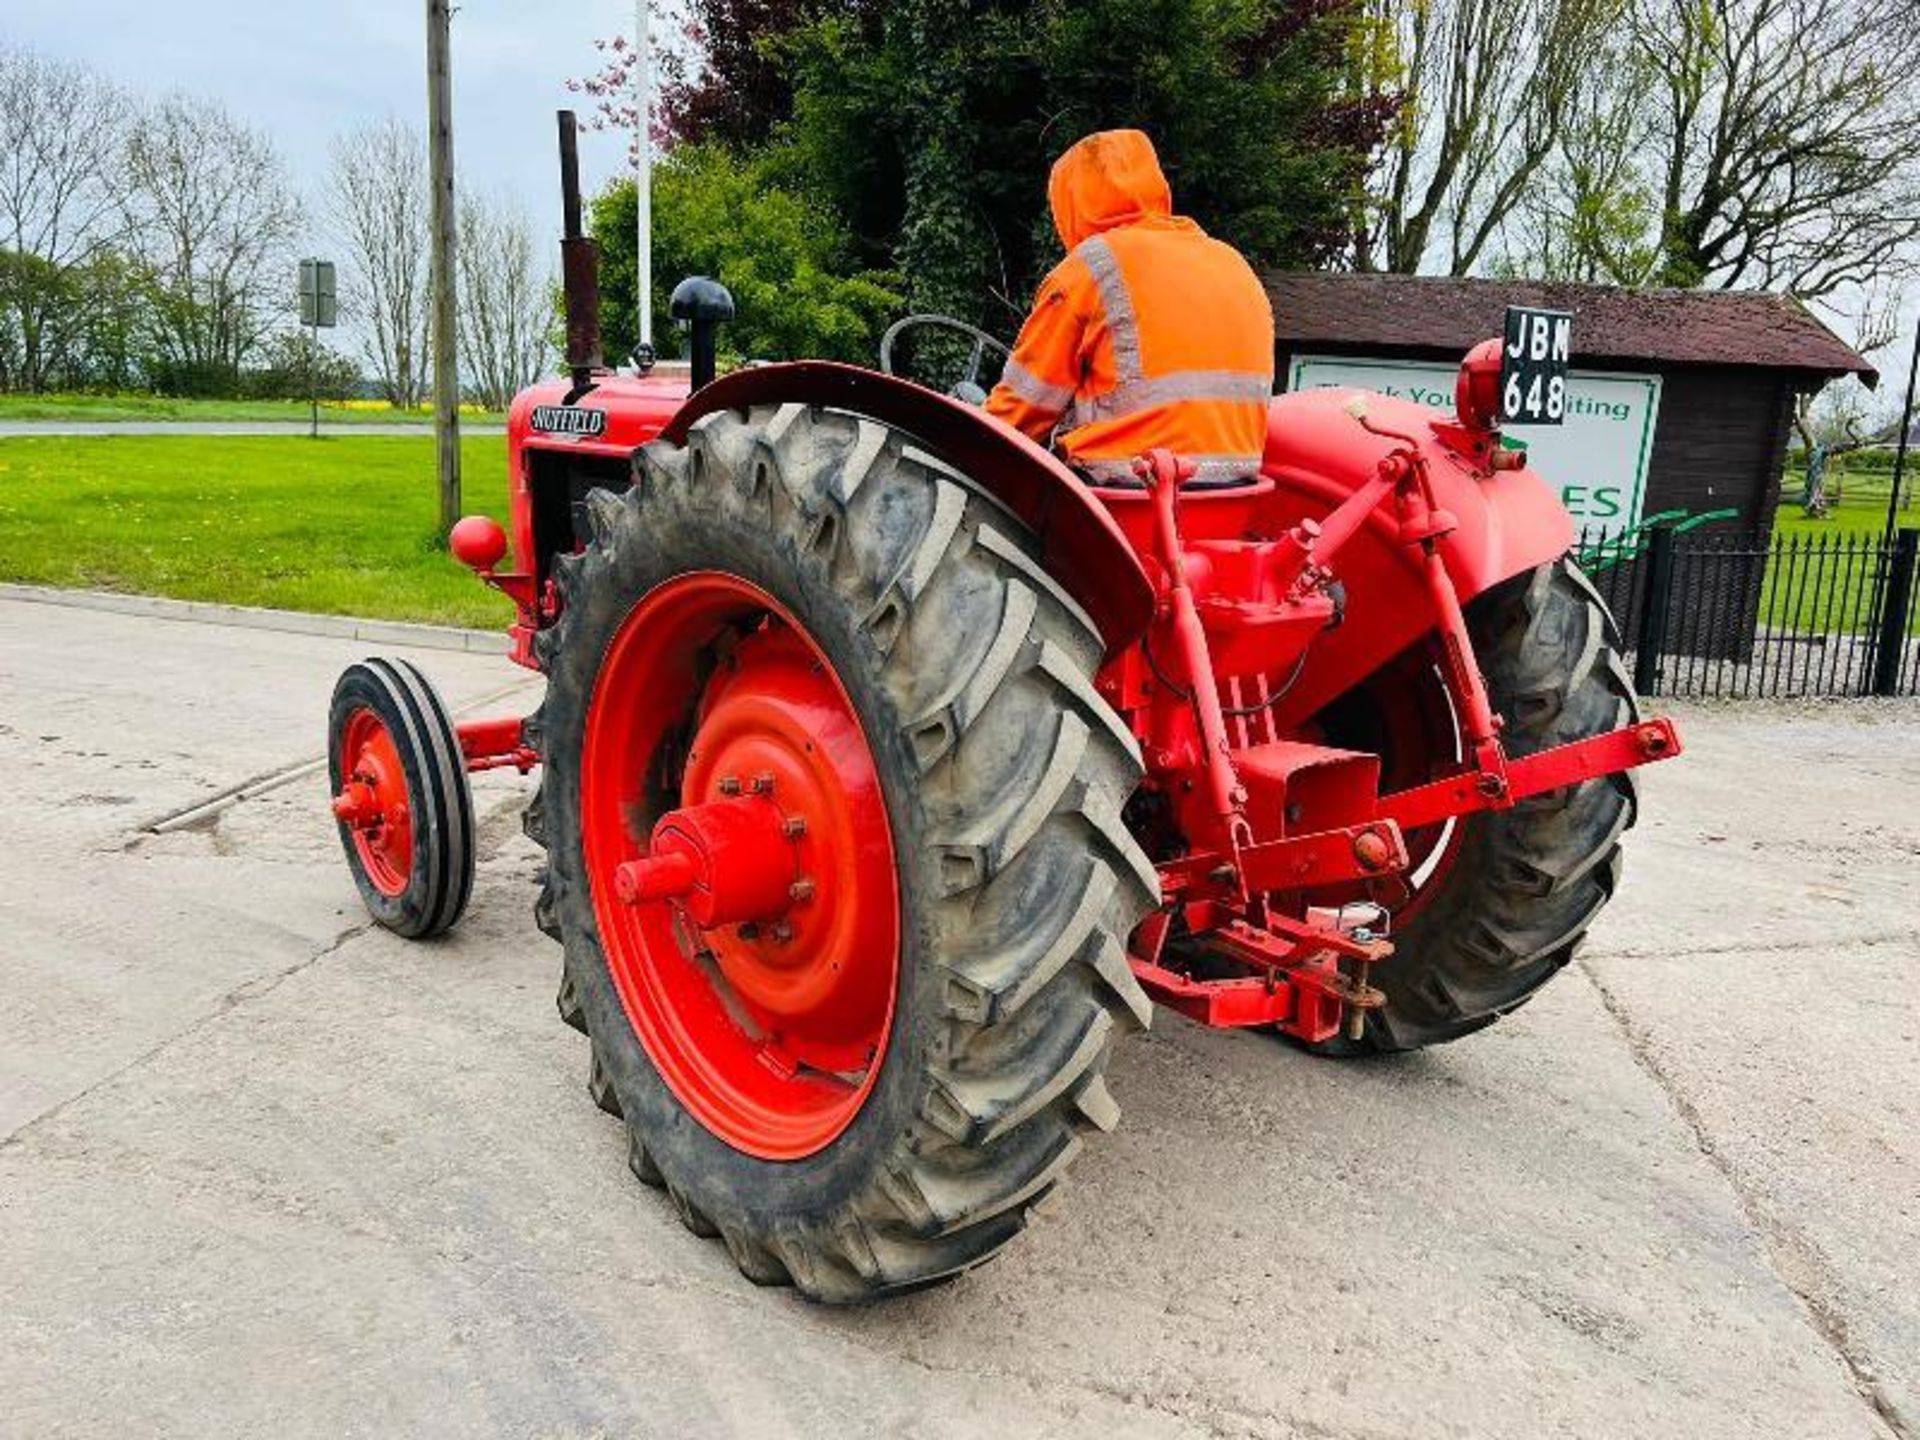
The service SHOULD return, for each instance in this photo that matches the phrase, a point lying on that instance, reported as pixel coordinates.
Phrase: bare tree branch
(213, 222)
(61, 133)
(378, 201)
(506, 300)
(1485, 87)
(1787, 145)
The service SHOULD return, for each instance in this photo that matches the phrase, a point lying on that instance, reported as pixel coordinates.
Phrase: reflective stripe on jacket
(1150, 333)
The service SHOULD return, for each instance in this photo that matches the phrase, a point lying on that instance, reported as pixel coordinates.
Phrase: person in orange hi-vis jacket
(1150, 333)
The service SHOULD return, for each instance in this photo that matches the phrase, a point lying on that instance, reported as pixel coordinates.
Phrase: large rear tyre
(1506, 896)
(874, 1090)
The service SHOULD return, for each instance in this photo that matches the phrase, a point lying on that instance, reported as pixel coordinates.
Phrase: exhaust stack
(579, 268)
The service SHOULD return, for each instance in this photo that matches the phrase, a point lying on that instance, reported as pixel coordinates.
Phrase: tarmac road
(264, 1170)
(26, 429)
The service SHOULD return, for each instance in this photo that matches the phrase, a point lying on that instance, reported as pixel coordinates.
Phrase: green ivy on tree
(897, 154)
(931, 125)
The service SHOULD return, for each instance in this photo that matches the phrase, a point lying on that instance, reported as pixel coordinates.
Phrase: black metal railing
(1730, 613)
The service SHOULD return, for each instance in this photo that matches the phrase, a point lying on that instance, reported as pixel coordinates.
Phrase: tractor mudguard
(1508, 521)
(1081, 546)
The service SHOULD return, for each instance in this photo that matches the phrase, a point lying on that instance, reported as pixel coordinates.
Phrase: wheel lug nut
(729, 784)
(763, 783)
(801, 890)
(783, 932)
(794, 826)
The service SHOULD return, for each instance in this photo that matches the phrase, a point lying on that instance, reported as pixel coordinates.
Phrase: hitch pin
(1362, 991)
(1365, 924)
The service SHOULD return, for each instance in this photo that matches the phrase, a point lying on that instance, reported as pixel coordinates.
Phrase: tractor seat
(1113, 477)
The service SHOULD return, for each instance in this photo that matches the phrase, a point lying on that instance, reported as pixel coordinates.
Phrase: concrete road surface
(266, 1171)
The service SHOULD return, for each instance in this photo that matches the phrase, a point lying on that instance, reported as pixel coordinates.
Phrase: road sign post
(319, 310)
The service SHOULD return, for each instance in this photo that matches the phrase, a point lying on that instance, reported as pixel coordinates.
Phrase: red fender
(1081, 546)
(1317, 454)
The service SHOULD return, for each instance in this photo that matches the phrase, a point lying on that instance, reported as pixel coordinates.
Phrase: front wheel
(1501, 899)
(833, 820)
(400, 797)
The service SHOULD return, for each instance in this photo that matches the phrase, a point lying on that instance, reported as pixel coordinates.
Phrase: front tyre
(803, 627)
(400, 797)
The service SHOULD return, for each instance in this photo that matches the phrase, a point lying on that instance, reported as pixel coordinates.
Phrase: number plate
(1533, 366)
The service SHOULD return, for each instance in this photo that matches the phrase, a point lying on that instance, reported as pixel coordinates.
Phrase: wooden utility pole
(446, 314)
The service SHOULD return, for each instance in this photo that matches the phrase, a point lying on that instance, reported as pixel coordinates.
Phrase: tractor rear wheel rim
(770, 1030)
(376, 781)
(1405, 714)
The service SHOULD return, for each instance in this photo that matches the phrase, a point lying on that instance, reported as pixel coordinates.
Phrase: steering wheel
(968, 387)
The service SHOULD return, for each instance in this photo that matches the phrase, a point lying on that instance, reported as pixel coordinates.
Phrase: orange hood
(1110, 178)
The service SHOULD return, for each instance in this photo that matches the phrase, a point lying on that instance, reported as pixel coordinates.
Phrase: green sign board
(1598, 455)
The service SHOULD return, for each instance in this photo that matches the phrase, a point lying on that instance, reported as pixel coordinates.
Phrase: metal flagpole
(1906, 430)
(643, 123)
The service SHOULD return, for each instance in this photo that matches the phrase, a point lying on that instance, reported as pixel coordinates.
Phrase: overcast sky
(306, 71)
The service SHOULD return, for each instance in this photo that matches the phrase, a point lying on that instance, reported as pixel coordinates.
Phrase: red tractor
(890, 773)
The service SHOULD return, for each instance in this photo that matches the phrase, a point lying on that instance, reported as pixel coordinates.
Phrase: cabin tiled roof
(1673, 327)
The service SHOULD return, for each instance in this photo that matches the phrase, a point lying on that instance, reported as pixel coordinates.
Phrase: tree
(932, 124)
(928, 126)
(1844, 415)
(1590, 215)
(1486, 88)
(1744, 144)
(36, 297)
(786, 259)
(61, 133)
(110, 344)
(719, 74)
(293, 366)
(506, 300)
(1782, 143)
(213, 220)
(378, 201)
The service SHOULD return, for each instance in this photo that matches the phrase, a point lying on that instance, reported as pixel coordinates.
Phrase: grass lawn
(84, 408)
(1830, 584)
(346, 525)
(342, 526)
(1864, 484)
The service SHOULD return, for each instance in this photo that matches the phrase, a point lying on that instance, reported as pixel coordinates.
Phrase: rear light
(1476, 394)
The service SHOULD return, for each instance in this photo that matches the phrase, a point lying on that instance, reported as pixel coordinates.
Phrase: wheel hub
(372, 802)
(753, 929)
